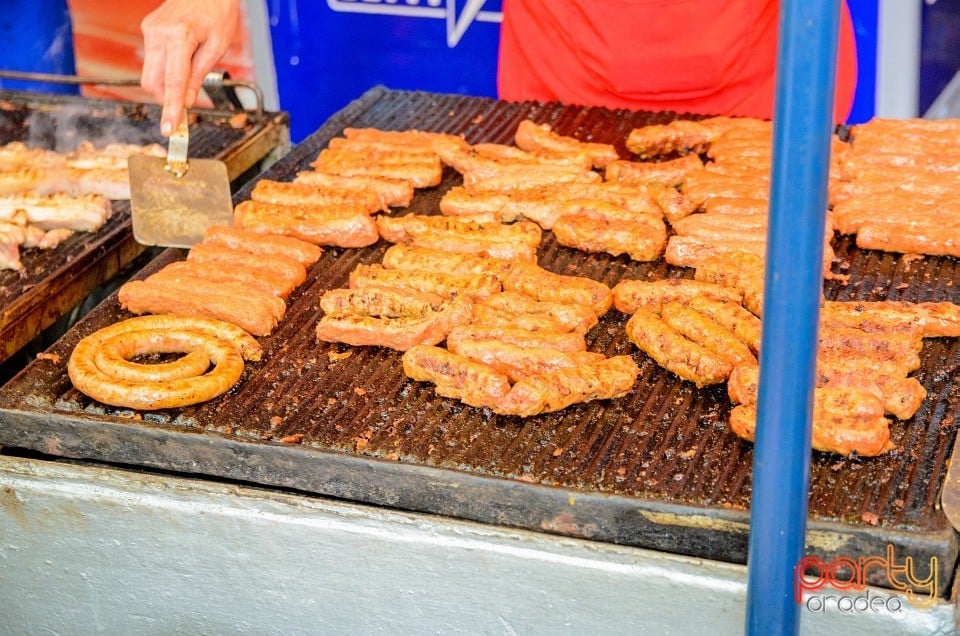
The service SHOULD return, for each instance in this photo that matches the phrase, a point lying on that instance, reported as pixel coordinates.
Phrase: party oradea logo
(849, 576)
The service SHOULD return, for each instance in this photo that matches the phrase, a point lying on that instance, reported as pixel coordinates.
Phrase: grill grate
(657, 468)
(53, 281)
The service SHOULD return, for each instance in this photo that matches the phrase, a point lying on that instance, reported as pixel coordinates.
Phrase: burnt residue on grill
(657, 468)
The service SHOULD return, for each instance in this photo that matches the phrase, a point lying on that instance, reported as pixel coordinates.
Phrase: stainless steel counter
(89, 549)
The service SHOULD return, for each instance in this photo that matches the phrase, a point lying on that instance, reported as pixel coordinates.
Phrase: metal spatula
(174, 201)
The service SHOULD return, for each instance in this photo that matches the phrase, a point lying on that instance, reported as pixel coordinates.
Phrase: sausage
(568, 317)
(545, 285)
(488, 316)
(344, 225)
(669, 173)
(265, 244)
(404, 229)
(474, 286)
(601, 380)
(457, 377)
(518, 362)
(569, 342)
(682, 136)
(631, 295)
(672, 351)
(707, 332)
(741, 271)
(845, 421)
(534, 137)
(214, 256)
(144, 297)
(935, 319)
(396, 333)
(901, 397)
(425, 259)
(262, 280)
(169, 385)
(386, 302)
(282, 193)
(733, 317)
(390, 192)
(640, 240)
(419, 171)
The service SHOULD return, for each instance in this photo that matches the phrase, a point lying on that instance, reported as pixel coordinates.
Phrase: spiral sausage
(100, 365)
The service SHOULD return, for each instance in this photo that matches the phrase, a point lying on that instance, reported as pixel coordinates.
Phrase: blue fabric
(36, 36)
(328, 53)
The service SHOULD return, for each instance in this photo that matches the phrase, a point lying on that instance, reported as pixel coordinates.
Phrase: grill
(656, 469)
(53, 281)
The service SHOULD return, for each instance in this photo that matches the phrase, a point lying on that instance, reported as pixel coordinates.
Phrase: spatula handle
(177, 150)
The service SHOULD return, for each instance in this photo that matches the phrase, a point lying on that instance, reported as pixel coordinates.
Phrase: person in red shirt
(714, 57)
(711, 57)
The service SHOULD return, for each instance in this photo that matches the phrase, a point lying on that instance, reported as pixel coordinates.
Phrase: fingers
(154, 60)
(204, 59)
(175, 78)
(183, 39)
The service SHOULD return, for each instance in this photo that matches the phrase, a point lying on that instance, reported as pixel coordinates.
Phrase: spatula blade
(172, 211)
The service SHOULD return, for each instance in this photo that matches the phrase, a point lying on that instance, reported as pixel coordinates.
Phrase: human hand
(183, 39)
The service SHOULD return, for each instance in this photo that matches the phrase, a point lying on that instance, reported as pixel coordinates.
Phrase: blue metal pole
(803, 123)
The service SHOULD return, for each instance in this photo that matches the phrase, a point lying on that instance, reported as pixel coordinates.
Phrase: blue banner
(328, 53)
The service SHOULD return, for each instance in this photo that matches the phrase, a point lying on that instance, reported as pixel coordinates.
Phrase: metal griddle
(53, 281)
(657, 469)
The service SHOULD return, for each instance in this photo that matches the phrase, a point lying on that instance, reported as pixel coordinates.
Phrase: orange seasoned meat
(733, 317)
(682, 136)
(344, 225)
(518, 177)
(400, 333)
(935, 319)
(707, 332)
(160, 297)
(389, 192)
(545, 204)
(481, 235)
(601, 380)
(631, 295)
(386, 302)
(427, 259)
(641, 240)
(669, 173)
(282, 193)
(266, 245)
(486, 316)
(403, 229)
(671, 350)
(420, 139)
(741, 271)
(569, 317)
(457, 377)
(518, 362)
(474, 286)
(545, 285)
(419, 171)
(845, 421)
(535, 137)
(217, 257)
(568, 342)
(263, 281)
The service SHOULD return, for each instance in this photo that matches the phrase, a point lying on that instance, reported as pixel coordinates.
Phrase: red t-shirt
(712, 57)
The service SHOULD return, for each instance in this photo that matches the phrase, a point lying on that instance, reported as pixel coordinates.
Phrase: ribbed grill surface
(657, 468)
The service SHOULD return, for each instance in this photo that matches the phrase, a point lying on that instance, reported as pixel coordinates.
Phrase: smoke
(64, 126)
